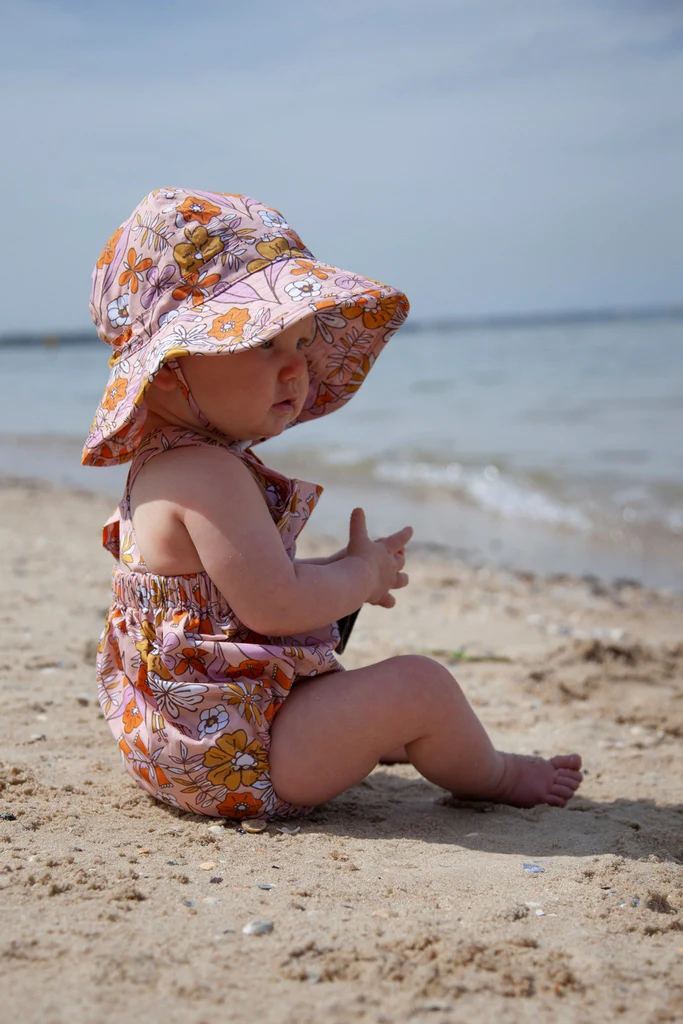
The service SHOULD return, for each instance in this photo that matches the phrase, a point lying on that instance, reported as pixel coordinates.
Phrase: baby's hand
(386, 555)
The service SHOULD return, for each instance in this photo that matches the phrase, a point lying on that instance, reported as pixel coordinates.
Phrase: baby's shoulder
(176, 472)
(177, 486)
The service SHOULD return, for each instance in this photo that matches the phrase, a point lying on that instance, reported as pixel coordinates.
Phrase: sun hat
(194, 272)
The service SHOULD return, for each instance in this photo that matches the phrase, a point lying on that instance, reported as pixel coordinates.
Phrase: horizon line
(495, 321)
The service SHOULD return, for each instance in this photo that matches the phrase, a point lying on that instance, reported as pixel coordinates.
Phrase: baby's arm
(321, 560)
(240, 548)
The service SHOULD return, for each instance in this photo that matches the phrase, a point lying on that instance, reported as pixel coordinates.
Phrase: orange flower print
(375, 310)
(131, 716)
(249, 669)
(145, 764)
(240, 805)
(230, 324)
(233, 762)
(295, 237)
(107, 254)
(381, 312)
(142, 680)
(197, 286)
(195, 625)
(279, 677)
(194, 208)
(191, 661)
(149, 661)
(117, 344)
(306, 267)
(325, 396)
(116, 392)
(135, 266)
(122, 338)
(273, 708)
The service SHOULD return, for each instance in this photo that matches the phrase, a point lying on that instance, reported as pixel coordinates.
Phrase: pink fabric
(193, 272)
(189, 691)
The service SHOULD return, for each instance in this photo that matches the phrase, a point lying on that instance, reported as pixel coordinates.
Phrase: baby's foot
(527, 781)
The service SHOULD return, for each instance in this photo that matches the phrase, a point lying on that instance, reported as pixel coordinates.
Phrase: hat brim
(354, 316)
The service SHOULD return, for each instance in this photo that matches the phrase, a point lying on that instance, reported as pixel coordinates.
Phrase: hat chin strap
(174, 366)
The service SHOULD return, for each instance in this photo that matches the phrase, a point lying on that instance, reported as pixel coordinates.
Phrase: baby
(216, 668)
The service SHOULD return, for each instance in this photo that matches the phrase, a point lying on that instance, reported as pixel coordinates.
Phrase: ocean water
(552, 449)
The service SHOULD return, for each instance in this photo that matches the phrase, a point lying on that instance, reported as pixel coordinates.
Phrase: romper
(189, 691)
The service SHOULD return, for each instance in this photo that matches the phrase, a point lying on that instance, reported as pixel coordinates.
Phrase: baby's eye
(302, 342)
(267, 344)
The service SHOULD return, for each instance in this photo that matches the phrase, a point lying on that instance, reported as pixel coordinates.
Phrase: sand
(391, 903)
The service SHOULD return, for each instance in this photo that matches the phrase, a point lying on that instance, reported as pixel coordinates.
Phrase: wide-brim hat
(193, 272)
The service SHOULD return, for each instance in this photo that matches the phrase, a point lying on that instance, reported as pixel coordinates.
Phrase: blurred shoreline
(446, 526)
(555, 449)
(494, 321)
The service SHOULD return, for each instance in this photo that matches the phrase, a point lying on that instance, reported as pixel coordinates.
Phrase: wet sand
(391, 903)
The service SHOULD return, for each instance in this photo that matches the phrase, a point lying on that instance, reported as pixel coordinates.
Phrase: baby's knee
(433, 679)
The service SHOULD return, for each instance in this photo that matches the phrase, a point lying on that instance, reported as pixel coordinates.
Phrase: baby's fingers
(398, 540)
(402, 580)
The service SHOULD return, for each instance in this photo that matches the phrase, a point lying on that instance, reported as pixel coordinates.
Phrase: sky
(486, 156)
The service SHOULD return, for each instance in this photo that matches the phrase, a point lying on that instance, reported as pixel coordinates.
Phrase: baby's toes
(567, 761)
(562, 790)
(567, 778)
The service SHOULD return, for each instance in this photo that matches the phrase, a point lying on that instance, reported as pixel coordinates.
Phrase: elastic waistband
(148, 591)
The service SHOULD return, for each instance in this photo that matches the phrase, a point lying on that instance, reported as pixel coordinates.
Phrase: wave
(488, 487)
(587, 503)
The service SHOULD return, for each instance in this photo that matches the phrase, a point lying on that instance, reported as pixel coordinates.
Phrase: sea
(552, 448)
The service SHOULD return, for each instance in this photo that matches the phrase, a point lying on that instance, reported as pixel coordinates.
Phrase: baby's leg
(333, 729)
(398, 756)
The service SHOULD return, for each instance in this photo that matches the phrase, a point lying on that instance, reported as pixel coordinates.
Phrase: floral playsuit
(189, 691)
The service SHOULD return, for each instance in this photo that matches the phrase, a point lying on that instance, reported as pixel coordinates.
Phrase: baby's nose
(294, 367)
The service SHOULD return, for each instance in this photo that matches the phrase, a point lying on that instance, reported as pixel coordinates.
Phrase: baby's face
(256, 393)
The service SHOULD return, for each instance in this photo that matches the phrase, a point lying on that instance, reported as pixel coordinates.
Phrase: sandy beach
(390, 903)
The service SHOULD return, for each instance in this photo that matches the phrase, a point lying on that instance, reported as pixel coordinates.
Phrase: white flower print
(213, 720)
(107, 686)
(132, 622)
(174, 695)
(180, 333)
(258, 323)
(266, 793)
(166, 317)
(143, 596)
(167, 798)
(304, 288)
(118, 311)
(271, 219)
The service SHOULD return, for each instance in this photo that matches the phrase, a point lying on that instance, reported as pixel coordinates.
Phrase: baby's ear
(165, 379)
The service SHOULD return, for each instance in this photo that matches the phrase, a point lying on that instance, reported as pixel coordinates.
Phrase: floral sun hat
(194, 272)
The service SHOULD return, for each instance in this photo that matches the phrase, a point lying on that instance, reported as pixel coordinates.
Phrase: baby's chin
(271, 425)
